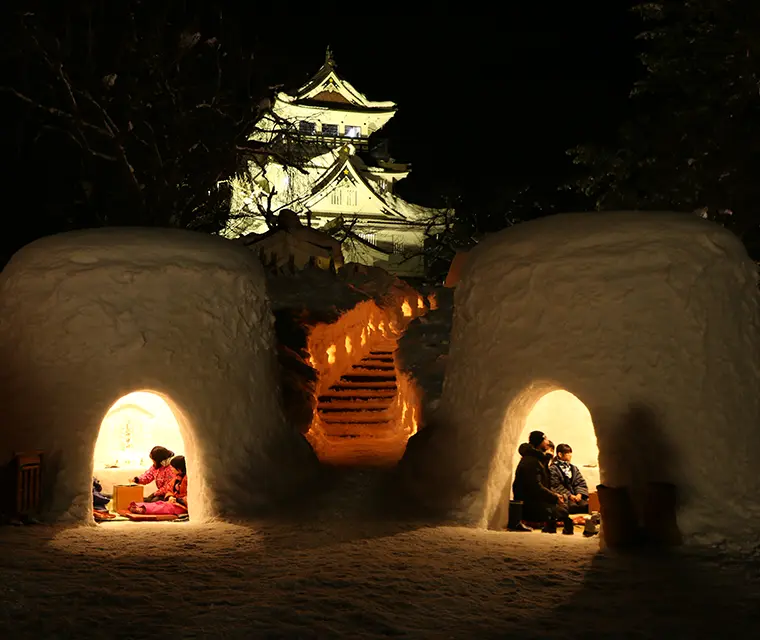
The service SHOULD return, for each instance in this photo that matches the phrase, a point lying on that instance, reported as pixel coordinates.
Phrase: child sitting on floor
(99, 499)
(568, 481)
(175, 500)
(178, 491)
(161, 472)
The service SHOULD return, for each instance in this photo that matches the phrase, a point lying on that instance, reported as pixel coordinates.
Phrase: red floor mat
(146, 517)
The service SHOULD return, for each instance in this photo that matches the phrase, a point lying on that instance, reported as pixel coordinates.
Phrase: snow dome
(129, 338)
(651, 320)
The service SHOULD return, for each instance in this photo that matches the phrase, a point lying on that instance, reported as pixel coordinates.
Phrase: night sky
(486, 101)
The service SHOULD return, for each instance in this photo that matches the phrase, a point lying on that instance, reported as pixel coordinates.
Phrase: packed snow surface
(357, 579)
(88, 317)
(652, 320)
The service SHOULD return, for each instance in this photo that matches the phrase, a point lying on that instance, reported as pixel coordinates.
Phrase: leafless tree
(140, 105)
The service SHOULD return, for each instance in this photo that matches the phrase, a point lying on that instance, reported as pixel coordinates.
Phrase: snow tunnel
(366, 408)
(88, 318)
(652, 320)
(565, 420)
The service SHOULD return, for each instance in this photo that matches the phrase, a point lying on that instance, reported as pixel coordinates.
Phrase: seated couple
(169, 472)
(550, 489)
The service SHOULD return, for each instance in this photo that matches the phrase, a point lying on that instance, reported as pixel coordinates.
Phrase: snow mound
(652, 320)
(88, 317)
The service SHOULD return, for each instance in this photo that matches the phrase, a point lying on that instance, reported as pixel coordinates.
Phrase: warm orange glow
(312, 361)
(432, 302)
(132, 427)
(565, 419)
(355, 424)
(420, 303)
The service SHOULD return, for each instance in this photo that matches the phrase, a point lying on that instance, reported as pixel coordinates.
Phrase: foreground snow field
(343, 578)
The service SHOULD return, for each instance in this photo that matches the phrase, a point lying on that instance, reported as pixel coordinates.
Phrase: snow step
(367, 378)
(358, 394)
(327, 409)
(379, 418)
(371, 373)
(360, 404)
(368, 429)
(367, 362)
(363, 384)
(360, 437)
(363, 366)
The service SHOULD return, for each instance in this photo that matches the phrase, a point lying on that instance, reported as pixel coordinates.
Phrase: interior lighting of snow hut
(420, 302)
(565, 419)
(381, 328)
(406, 309)
(364, 336)
(432, 302)
(130, 429)
(331, 354)
(349, 346)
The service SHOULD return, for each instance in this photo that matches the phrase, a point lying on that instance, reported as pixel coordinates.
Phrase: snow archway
(565, 419)
(134, 424)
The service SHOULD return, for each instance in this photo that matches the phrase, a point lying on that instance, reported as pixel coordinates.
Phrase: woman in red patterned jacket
(161, 473)
(175, 498)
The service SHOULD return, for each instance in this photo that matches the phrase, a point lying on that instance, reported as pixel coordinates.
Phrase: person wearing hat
(532, 486)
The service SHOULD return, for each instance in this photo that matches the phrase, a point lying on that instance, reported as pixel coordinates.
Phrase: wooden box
(123, 494)
(593, 502)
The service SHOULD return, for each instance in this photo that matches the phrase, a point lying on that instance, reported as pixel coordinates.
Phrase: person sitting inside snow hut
(532, 487)
(162, 473)
(549, 453)
(175, 498)
(568, 481)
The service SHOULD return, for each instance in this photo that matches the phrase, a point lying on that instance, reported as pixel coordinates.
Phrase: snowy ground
(327, 575)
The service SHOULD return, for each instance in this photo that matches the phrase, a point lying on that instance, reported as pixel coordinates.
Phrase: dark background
(486, 100)
(489, 100)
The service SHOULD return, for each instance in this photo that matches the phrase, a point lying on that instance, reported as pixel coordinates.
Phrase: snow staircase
(357, 406)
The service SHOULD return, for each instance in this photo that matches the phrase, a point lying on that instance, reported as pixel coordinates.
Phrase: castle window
(370, 237)
(329, 129)
(353, 131)
(306, 128)
(344, 197)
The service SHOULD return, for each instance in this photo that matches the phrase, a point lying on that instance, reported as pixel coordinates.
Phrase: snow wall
(87, 317)
(651, 319)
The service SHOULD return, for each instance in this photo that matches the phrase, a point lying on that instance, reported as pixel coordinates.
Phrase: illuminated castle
(311, 153)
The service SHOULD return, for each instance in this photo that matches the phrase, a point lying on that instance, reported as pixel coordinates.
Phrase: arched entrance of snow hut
(564, 419)
(131, 427)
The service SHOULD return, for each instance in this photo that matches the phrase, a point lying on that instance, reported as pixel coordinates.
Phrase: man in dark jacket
(567, 480)
(532, 486)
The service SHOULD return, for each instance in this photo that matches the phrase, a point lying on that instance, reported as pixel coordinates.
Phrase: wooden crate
(123, 494)
(28, 481)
